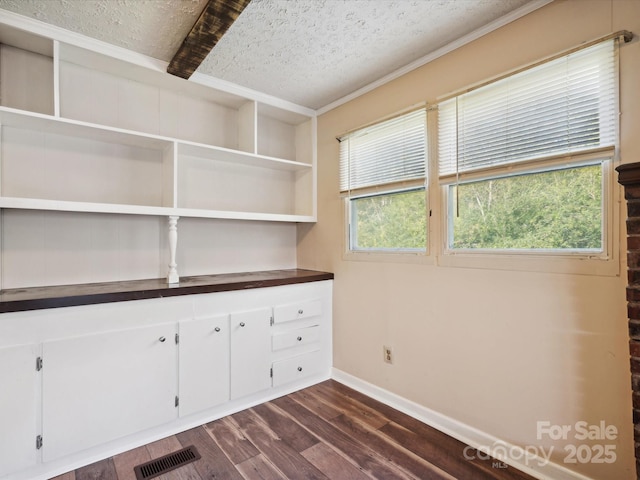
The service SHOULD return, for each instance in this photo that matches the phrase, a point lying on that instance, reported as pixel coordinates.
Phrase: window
(523, 159)
(554, 210)
(382, 176)
(389, 221)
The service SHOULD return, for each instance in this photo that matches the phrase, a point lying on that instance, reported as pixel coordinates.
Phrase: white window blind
(389, 152)
(564, 106)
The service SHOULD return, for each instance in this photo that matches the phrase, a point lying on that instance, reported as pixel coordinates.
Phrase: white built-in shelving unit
(82, 130)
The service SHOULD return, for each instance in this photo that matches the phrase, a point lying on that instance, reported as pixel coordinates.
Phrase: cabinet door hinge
(177, 338)
(177, 401)
(271, 321)
(271, 372)
(38, 364)
(38, 442)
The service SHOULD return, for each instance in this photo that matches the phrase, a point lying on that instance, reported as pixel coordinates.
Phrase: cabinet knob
(299, 369)
(217, 329)
(242, 324)
(299, 339)
(162, 339)
(300, 312)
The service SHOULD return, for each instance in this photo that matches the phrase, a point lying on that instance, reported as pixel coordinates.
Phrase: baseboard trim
(458, 430)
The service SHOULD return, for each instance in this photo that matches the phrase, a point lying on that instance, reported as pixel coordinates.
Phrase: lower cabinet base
(48, 470)
(89, 382)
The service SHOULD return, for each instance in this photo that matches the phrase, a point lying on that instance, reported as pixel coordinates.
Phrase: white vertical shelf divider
(56, 78)
(170, 176)
(314, 155)
(1, 164)
(314, 167)
(1, 248)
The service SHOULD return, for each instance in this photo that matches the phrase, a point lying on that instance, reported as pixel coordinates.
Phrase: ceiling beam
(214, 21)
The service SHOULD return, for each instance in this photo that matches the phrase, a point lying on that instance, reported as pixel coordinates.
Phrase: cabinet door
(102, 387)
(18, 400)
(204, 363)
(250, 352)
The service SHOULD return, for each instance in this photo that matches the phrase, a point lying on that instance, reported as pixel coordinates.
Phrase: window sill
(573, 265)
(389, 257)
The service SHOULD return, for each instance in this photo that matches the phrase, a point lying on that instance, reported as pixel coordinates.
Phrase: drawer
(296, 311)
(294, 338)
(295, 368)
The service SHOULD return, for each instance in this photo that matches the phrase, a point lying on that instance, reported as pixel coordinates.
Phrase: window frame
(352, 228)
(606, 263)
(606, 164)
(383, 189)
(543, 163)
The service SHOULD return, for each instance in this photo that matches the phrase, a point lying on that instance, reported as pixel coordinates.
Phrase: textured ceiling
(313, 52)
(310, 52)
(153, 27)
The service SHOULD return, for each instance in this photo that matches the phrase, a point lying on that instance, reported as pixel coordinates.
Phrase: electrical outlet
(387, 354)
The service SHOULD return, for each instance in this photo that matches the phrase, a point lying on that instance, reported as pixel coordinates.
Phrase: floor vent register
(165, 464)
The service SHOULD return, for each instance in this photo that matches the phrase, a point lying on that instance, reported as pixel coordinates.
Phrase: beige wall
(496, 349)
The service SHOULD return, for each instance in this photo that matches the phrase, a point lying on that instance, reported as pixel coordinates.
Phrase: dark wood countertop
(37, 298)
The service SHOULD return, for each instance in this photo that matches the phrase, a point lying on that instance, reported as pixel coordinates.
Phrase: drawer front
(295, 338)
(295, 368)
(296, 311)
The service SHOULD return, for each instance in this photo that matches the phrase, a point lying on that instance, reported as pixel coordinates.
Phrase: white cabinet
(101, 387)
(250, 352)
(113, 373)
(86, 131)
(18, 407)
(203, 363)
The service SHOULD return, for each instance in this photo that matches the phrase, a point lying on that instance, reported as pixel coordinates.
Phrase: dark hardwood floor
(327, 431)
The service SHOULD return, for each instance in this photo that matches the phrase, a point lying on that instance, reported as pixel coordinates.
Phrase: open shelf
(49, 162)
(15, 118)
(240, 215)
(103, 90)
(236, 157)
(26, 71)
(209, 184)
(49, 159)
(284, 134)
(87, 207)
(86, 131)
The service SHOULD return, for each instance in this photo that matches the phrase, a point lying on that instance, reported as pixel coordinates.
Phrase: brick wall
(629, 177)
